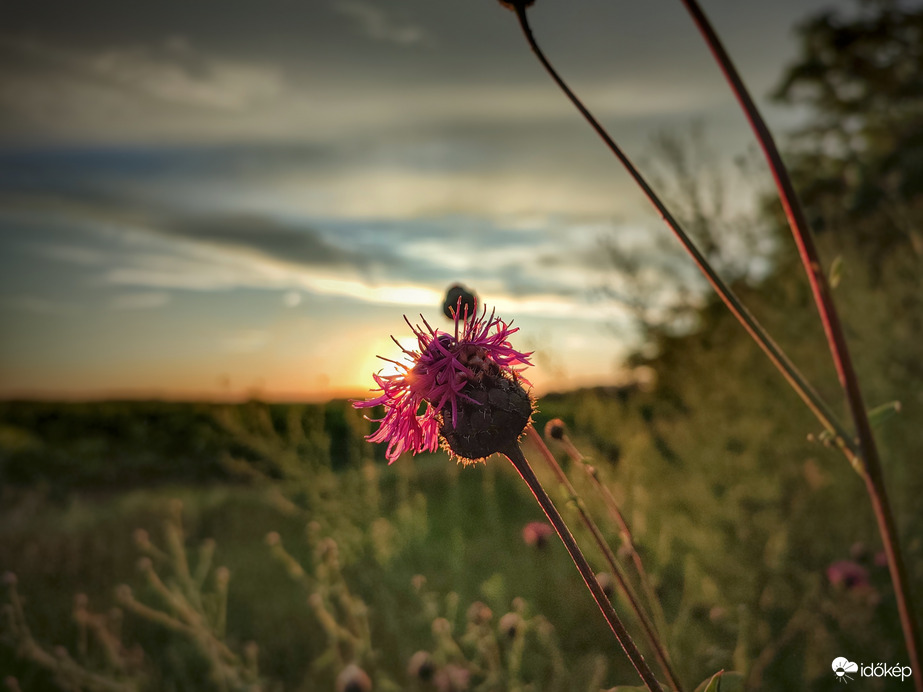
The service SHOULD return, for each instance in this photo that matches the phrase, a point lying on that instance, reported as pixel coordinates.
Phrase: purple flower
(848, 574)
(445, 370)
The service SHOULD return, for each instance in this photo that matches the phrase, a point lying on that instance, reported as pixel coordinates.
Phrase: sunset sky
(218, 199)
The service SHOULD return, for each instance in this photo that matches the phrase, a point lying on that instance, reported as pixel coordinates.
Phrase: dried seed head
(848, 575)
(441, 626)
(272, 538)
(509, 624)
(142, 539)
(479, 613)
(859, 552)
(452, 678)
(251, 652)
(353, 679)
(536, 534)
(606, 583)
(421, 666)
(555, 429)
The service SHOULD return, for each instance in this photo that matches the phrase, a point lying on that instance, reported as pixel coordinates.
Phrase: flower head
(536, 533)
(452, 374)
(848, 575)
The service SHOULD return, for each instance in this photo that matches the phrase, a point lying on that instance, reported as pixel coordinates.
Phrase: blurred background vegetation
(741, 513)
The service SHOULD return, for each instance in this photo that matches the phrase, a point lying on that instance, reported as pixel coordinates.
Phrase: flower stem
(841, 438)
(515, 455)
(650, 632)
(616, 513)
(833, 329)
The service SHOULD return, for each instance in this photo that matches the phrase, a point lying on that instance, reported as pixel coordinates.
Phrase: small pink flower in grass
(462, 387)
(848, 575)
(536, 533)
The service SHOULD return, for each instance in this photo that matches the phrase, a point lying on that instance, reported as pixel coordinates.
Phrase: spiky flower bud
(492, 419)
(459, 299)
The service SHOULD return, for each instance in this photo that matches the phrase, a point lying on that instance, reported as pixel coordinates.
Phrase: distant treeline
(110, 445)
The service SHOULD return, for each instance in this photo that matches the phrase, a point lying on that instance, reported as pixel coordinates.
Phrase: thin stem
(833, 329)
(514, 454)
(616, 513)
(650, 633)
(841, 438)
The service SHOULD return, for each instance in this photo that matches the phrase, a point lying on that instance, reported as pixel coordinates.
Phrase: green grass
(737, 523)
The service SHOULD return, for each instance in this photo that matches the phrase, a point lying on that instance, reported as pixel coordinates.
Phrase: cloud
(375, 23)
(265, 236)
(139, 301)
(172, 70)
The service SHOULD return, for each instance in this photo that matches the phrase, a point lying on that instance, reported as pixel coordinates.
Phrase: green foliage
(862, 153)
(722, 682)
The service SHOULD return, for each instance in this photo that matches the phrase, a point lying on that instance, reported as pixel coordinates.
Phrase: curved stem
(515, 455)
(836, 339)
(798, 382)
(650, 632)
(616, 513)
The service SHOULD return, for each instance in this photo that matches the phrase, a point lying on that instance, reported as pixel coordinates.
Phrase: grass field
(738, 540)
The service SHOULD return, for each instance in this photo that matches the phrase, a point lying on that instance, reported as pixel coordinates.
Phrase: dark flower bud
(479, 613)
(452, 678)
(848, 575)
(501, 409)
(555, 429)
(606, 583)
(536, 533)
(859, 552)
(509, 624)
(459, 299)
(421, 666)
(353, 679)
